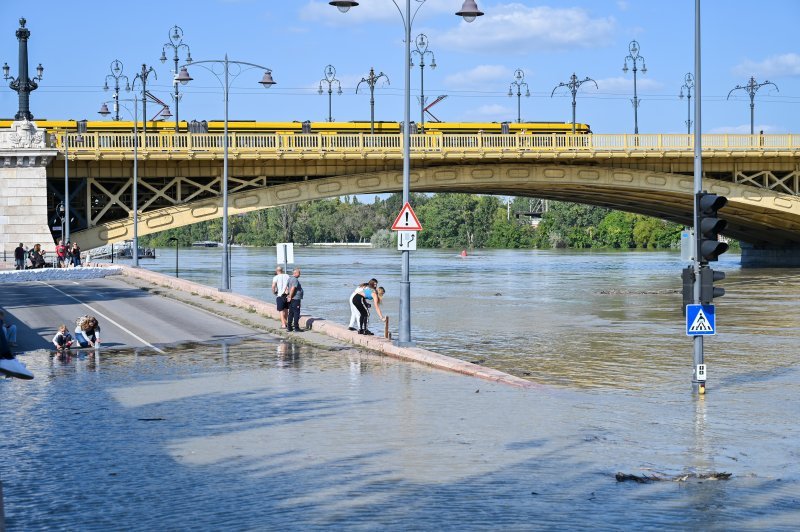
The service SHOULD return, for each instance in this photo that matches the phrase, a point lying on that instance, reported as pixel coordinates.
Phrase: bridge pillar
(24, 156)
(770, 256)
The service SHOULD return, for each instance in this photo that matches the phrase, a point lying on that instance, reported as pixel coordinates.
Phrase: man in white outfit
(279, 289)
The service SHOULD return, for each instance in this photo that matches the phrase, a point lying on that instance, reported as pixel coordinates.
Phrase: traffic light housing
(709, 226)
(707, 289)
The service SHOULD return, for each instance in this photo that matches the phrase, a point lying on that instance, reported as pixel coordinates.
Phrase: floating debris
(638, 292)
(644, 479)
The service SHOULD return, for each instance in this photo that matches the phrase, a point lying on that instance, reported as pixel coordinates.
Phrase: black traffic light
(687, 275)
(710, 226)
(707, 289)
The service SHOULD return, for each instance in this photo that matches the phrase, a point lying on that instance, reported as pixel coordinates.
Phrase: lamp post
(23, 85)
(117, 75)
(105, 112)
(469, 10)
(330, 79)
(81, 128)
(519, 82)
(371, 80)
(226, 80)
(422, 49)
(573, 85)
(142, 77)
(176, 43)
(688, 84)
(173, 239)
(751, 89)
(634, 57)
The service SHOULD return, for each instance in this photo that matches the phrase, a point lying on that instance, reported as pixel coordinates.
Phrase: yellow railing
(391, 144)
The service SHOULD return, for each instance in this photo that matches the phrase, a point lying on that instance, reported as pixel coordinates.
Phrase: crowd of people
(67, 255)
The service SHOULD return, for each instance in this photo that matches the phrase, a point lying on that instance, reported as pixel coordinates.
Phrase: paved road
(128, 317)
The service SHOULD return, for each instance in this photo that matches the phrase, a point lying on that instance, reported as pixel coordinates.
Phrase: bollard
(386, 333)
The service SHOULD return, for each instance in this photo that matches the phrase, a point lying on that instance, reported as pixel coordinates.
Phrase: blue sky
(549, 40)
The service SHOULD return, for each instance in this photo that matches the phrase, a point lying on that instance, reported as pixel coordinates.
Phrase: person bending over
(87, 332)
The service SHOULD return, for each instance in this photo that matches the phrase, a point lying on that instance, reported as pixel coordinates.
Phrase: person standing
(19, 257)
(76, 254)
(61, 254)
(295, 297)
(280, 288)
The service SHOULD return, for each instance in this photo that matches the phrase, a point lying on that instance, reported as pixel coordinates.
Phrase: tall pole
(226, 278)
(176, 43)
(405, 283)
(135, 250)
(142, 77)
(330, 79)
(371, 80)
(634, 57)
(117, 74)
(698, 187)
(22, 84)
(65, 232)
(518, 83)
(421, 43)
(573, 85)
(751, 89)
(688, 84)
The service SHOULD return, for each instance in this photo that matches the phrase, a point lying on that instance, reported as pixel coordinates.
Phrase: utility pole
(330, 79)
(688, 84)
(519, 82)
(751, 89)
(573, 85)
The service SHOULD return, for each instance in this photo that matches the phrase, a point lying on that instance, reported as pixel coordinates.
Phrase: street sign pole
(698, 386)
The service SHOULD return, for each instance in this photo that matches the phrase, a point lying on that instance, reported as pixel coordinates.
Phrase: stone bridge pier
(24, 156)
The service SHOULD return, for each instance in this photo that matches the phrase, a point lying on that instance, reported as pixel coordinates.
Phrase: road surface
(128, 317)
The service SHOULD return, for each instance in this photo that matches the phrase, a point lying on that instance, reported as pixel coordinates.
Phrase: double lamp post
(469, 11)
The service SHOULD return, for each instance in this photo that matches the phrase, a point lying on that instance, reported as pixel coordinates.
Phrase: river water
(292, 437)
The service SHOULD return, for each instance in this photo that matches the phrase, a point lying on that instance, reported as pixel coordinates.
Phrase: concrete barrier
(334, 330)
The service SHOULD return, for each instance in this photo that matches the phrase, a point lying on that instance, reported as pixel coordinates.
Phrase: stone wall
(24, 156)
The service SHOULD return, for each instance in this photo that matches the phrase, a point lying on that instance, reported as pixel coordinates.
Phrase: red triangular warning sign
(406, 220)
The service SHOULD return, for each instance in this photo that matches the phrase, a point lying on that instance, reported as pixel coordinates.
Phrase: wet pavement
(267, 434)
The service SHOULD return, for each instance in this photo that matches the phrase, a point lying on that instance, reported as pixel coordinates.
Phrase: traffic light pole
(698, 187)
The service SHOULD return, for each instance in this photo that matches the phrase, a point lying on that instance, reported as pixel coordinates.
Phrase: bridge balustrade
(357, 143)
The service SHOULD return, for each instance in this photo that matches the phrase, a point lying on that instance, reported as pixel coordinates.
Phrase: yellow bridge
(180, 175)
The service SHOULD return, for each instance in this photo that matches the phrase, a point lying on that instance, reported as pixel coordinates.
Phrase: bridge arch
(758, 216)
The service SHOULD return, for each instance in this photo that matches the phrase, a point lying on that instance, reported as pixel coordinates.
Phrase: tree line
(449, 220)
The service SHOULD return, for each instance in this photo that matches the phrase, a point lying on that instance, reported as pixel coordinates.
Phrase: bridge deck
(437, 146)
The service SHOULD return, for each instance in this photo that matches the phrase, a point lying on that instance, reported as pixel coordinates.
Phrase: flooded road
(274, 435)
(271, 435)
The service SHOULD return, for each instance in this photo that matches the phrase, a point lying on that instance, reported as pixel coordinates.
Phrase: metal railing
(391, 144)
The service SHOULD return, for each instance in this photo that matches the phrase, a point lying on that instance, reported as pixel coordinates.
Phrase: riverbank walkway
(150, 320)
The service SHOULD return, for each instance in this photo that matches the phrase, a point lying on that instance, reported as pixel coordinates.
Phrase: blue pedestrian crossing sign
(700, 320)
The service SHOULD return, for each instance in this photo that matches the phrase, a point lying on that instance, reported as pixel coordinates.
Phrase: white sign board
(285, 253)
(407, 240)
(687, 245)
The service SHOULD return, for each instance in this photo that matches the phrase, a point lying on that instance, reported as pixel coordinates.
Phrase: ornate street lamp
(117, 75)
(634, 57)
(573, 85)
(688, 84)
(751, 89)
(519, 82)
(23, 85)
(176, 43)
(371, 80)
(225, 80)
(422, 49)
(469, 10)
(142, 77)
(330, 79)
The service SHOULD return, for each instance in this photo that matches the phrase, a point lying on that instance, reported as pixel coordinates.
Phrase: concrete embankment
(333, 330)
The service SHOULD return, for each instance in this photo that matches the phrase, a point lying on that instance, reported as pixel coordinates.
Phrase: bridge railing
(363, 143)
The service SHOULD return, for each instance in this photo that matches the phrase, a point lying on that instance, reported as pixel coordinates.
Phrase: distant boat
(205, 244)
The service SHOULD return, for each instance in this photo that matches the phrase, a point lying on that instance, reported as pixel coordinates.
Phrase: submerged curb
(334, 330)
